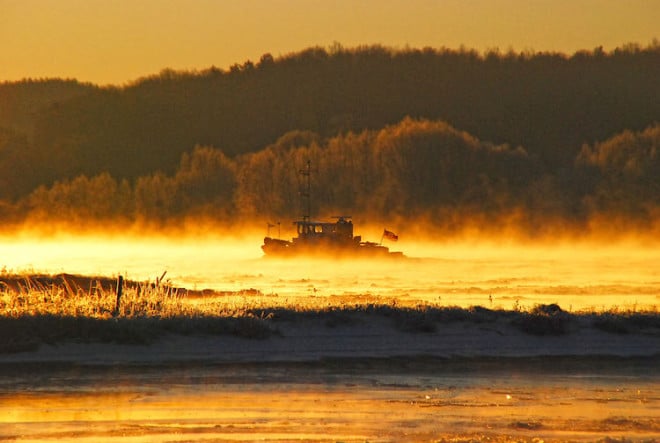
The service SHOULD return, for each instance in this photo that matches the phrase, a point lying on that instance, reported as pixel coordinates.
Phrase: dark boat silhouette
(326, 238)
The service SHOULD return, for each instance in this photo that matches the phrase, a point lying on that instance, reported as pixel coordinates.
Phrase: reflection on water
(360, 400)
(576, 276)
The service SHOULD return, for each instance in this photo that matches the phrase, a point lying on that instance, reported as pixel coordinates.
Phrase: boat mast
(307, 194)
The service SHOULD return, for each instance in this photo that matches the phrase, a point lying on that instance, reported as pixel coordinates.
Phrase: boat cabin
(341, 229)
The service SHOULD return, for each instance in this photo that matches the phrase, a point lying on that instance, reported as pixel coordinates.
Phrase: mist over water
(459, 273)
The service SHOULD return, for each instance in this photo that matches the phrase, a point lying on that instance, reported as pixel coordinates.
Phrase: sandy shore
(313, 339)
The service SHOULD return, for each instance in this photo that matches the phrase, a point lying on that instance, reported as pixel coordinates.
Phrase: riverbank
(363, 332)
(72, 318)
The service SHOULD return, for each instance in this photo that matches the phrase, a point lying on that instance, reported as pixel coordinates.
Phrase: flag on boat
(390, 235)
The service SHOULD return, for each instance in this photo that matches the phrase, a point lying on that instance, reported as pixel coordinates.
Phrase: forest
(537, 142)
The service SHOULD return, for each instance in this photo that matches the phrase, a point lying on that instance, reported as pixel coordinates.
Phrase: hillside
(484, 133)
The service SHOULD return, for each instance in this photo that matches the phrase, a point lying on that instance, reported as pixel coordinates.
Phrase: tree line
(413, 170)
(448, 135)
(550, 103)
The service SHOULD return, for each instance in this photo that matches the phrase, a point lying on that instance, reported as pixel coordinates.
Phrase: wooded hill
(390, 132)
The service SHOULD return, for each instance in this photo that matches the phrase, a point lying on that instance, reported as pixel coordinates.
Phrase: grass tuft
(68, 308)
(544, 320)
(627, 322)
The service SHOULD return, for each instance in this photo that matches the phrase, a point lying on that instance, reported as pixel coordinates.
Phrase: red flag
(390, 235)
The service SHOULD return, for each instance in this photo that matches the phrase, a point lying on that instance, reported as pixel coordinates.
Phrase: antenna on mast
(308, 192)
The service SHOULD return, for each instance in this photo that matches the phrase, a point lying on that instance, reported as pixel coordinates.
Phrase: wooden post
(120, 289)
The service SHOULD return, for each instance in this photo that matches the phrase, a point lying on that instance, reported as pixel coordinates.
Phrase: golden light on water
(588, 275)
(247, 404)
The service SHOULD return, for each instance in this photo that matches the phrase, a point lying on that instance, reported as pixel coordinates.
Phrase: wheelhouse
(342, 228)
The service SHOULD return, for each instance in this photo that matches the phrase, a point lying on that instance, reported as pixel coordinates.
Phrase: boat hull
(274, 247)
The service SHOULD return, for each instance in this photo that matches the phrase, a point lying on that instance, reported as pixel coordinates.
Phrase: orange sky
(116, 41)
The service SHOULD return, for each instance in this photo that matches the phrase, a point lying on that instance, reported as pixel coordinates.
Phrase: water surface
(336, 400)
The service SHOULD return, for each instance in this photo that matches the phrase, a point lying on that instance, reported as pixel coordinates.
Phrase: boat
(327, 238)
(333, 238)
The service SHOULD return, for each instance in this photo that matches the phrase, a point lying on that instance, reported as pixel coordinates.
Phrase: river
(339, 400)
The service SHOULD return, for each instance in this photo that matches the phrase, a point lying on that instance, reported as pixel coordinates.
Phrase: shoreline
(312, 340)
(69, 319)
